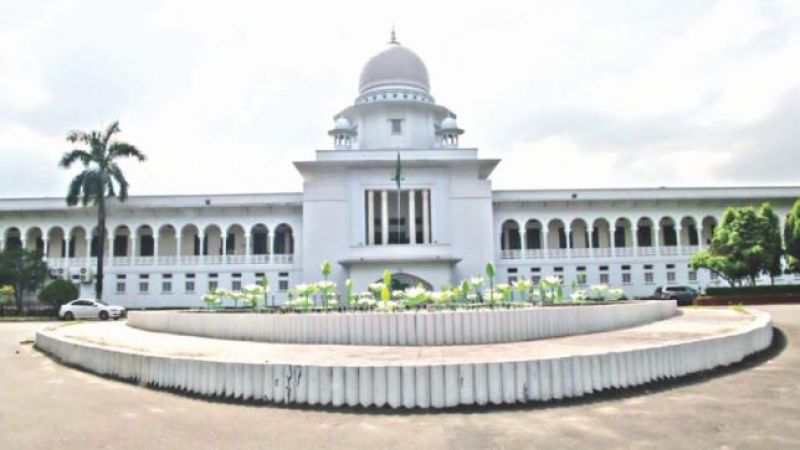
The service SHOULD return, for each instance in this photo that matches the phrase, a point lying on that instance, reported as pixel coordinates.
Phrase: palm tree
(100, 178)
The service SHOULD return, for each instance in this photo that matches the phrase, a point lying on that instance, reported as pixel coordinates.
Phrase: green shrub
(779, 289)
(58, 292)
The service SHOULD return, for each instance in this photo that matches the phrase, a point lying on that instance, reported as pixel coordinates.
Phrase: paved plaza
(753, 405)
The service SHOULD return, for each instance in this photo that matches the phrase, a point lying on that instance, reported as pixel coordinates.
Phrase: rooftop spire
(393, 37)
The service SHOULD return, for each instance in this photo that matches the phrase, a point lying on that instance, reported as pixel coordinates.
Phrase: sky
(223, 96)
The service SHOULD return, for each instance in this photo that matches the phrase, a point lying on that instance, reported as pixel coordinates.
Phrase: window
(283, 281)
(144, 283)
(692, 276)
(166, 283)
(670, 277)
(580, 278)
(236, 282)
(648, 277)
(626, 278)
(603, 268)
(603, 278)
(626, 267)
(396, 126)
(213, 285)
(535, 279)
(714, 276)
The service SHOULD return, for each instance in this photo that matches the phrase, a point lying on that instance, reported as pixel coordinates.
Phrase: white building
(444, 224)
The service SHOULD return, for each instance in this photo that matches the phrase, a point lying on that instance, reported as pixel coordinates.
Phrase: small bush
(58, 292)
(779, 289)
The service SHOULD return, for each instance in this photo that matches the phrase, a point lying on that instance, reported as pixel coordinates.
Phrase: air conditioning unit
(57, 273)
(84, 270)
(86, 276)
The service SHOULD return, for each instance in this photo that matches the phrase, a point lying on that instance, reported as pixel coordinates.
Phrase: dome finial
(393, 37)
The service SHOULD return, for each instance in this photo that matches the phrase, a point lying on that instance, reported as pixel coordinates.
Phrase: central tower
(435, 224)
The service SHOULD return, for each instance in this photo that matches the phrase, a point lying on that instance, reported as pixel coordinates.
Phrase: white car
(86, 308)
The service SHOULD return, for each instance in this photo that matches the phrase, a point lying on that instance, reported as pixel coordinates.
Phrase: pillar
(635, 231)
(658, 239)
(426, 226)
(384, 217)
(202, 253)
(155, 247)
(46, 249)
(679, 234)
(247, 249)
(522, 244)
(570, 240)
(134, 246)
(412, 218)
(178, 241)
(370, 217)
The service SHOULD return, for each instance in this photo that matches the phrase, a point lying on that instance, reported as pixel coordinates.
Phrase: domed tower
(394, 108)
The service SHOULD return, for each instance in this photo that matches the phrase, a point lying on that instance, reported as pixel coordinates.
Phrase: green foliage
(771, 241)
(58, 292)
(326, 269)
(791, 236)
(490, 275)
(100, 178)
(22, 269)
(744, 245)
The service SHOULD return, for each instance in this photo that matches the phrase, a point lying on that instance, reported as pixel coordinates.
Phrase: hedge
(779, 289)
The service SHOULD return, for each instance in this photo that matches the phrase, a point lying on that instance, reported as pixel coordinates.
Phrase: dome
(341, 124)
(449, 123)
(394, 66)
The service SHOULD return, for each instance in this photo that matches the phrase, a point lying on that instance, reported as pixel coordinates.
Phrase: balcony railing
(187, 260)
(603, 252)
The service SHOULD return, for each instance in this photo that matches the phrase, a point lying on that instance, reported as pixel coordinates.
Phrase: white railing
(669, 250)
(557, 253)
(623, 251)
(534, 253)
(647, 251)
(511, 254)
(602, 252)
(580, 253)
(123, 261)
(689, 250)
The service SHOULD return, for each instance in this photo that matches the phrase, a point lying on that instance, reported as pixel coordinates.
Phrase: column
(45, 249)
(591, 231)
(155, 248)
(385, 217)
(635, 231)
(412, 218)
(370, 217)
(225, 245)
(247, 250)
(134, 247)
(570, 240)
(678, 234)
(657, 240)
(89, 239)
(522, 244)
(545, 234)
(178, 239)
(426, 226)
(201, 253)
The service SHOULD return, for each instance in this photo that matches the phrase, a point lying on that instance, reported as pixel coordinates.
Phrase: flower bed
(408, 328)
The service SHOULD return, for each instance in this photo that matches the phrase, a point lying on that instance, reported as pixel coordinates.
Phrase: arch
(510, 236)
(235, 240)
(121, 244)
(533, 234)
(556, 234)
(145, 242)
(13, 238)
(167, 240)
(259, 236)
(212, 240)
(284, 240)
(34, 240)
(690, 234)
(709, 224)
(77, 242)
(623, 233)
(402, 280)
(668, 231)
(56, 242)
(190, 240)
(579, 235)
(601, 233)
(644, 232)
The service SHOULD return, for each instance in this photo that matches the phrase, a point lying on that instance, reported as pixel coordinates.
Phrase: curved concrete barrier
(407, 328)
(413, 377)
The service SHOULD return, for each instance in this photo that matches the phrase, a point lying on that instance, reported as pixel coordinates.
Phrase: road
(44, 405)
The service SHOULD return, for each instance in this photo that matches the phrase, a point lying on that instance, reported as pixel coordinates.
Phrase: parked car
(85, 308)
(683, 294)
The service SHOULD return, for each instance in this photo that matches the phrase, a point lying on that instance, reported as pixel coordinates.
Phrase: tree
(737, 251)
(58, 292)
(771, 241)
(22, 269)
(101, 178)
(791, 236)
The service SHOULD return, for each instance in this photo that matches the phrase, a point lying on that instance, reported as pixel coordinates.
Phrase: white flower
(616, 294)
(579, 295)
(476, 282)
(375, 287)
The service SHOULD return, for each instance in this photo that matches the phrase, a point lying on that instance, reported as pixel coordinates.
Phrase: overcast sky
(223, 96)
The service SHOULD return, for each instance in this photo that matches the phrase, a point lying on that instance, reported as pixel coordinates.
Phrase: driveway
(44, 405)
